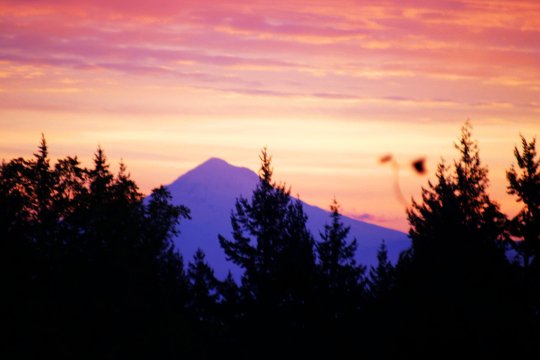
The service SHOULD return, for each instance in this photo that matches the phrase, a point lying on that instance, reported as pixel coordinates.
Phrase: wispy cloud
(352, 61)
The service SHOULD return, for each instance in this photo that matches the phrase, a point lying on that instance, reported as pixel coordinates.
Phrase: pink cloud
(406, 52)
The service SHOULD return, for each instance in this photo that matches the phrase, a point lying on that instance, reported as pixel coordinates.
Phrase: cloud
(392, 54)
(363, 217)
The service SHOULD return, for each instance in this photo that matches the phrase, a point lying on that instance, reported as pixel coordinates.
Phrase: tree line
(89, 270)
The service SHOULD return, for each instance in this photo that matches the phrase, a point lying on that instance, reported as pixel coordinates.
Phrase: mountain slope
(210, 191)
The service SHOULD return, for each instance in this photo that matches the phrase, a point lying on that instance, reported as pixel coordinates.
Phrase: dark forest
(89, 270)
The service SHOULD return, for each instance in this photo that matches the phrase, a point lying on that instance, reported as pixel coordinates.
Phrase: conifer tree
(71, 186)
(86, 263)
(454, 276)
(203, 287)
(273, 247)
(457, 216)
(381, 277)
(337, 264)
(229, 297)
(161, 223)
(340, 286)
(269, 232)
(524, 183)
(44, 182)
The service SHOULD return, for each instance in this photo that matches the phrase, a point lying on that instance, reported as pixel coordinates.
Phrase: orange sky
(328, 86)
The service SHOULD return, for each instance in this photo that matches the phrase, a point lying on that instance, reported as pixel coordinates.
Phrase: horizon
(407, 179)
(329, 87)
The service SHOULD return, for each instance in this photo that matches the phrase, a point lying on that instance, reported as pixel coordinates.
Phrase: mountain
(210, 191)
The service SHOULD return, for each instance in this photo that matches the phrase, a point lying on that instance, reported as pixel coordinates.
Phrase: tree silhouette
(268, 230)
(340, 286)
(454, 277)
(229, 298)
(88, 265)
(275, 250)
(89, 269)
(524, 183)
(341, 277)
(381, 278)
(336, 254)
(203, 285)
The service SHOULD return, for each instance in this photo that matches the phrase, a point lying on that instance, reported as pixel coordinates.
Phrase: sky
(328, 86)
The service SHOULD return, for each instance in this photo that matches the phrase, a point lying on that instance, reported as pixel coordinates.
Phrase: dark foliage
(524, 183)
(275, 250)
(453, 289)
(89, 270)
(381, 279)
(340, 285)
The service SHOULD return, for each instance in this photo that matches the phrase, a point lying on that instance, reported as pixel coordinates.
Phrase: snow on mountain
(210, 191)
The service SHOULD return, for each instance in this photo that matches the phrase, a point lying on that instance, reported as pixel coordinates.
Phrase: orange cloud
(201, 78)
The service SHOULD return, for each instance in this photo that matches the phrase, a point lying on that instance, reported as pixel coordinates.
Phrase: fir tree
(203, 287)
(70, 188)
(100, 177)
(454, 276)
(524, 183)
(267, 230)
(44, 182)
(86, 263)
(381, 277)
(272, 245)
(337, 264)
(340, 286)
(457, 216)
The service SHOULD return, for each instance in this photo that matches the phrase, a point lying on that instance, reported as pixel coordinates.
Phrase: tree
(340, 287)
(524, 183)
(43, 180)
(203, 287)
(87, 263)
(229, 298)
(381, 277)
(272, 245)
(454, 277)
(340, 275)
(457, 216)
(70, 187)
(268, 231)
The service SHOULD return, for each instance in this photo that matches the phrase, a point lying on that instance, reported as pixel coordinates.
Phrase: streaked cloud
(315, 79)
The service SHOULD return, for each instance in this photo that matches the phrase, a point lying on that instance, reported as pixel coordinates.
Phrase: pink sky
(328, 86)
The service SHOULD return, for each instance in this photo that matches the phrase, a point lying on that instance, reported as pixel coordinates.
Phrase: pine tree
(71, 186)
(454, 276)
(457, 216)
(296, 263)
(100, 177)
(341, 279)
(229, 296)
(273, 247)
(524, 183)
(262, 234)
(86, 263)
(44, 182)
(381, 278)
(337, 264)
(161, 222)
(203, 287)
(340, 286)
